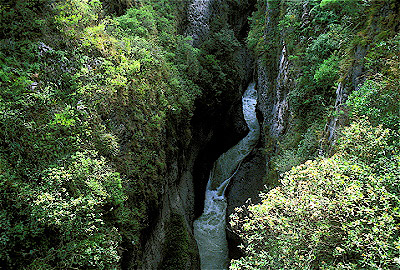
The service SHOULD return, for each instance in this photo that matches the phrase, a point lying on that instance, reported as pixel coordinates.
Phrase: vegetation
(332, 213)
(97, 95)
(179, 249)
(85, 97)
(338, 211)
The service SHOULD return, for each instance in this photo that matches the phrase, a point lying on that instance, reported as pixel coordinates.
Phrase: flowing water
(209, 228)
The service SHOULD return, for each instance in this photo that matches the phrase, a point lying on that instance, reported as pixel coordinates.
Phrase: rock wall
(352, 82)
(199, 15)
(274, 96)
(273, 85)
(177, 199)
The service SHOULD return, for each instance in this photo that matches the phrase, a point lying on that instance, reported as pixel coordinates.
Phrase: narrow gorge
(209, 228)
(296, 125)
(200, 134)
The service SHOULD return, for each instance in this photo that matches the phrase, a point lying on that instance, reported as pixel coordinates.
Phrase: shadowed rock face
(342, 92)
(223, 126)
(199, 15)
(274, 104)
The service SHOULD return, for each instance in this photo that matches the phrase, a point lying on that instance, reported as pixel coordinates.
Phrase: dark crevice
(221, 127)
(219, 137)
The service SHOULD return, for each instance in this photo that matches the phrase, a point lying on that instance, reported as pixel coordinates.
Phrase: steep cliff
(297, 71)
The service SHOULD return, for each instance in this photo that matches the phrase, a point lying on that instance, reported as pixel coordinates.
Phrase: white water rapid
(209, 228)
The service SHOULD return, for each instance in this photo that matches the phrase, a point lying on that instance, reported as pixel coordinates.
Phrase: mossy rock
(180, 249)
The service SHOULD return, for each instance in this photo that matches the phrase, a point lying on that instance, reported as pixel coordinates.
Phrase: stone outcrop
(199, 15)
(177, 199)
(354, 81)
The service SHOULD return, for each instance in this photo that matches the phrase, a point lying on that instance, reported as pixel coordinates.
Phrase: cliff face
(177, 199)
(302, 84)
(273, 94)
(343, 90)
(274, 110)
(273, 84)
(199, 16)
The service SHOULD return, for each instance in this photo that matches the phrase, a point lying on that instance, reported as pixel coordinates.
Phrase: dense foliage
(84, 103)
(334, 213)
(339, 211)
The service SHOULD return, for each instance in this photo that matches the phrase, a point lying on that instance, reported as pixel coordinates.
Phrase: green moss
(179, 249)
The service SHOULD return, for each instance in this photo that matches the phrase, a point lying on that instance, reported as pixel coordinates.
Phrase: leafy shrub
(70, 202)
(333, 213)
(294, 150)
(19, 18)
(365, 143)
(378, 100)
(323, 46)
(351, 7)
(326, 74)
(73, 15)
(139, 21)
